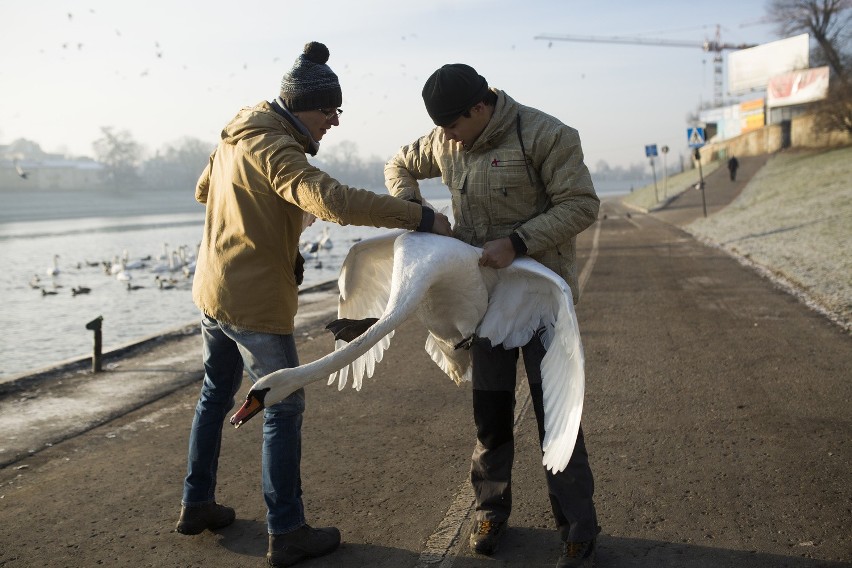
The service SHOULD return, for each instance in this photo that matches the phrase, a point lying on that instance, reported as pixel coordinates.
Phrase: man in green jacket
(519, 186)
(257, 188)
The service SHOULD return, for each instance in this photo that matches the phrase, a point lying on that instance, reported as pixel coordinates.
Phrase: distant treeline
(121, 164)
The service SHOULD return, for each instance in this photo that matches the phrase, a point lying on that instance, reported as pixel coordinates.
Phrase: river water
(44, 321)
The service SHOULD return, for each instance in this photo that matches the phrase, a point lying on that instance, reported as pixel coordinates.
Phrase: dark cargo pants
(571, 490)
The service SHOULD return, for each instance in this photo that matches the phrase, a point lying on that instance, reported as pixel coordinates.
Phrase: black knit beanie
(451, 91)
(311, 84)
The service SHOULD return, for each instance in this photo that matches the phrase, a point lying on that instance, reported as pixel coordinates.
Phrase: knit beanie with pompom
(311, 84)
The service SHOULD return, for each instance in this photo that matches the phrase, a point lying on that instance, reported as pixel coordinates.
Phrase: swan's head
(254, 404)
(272, 389)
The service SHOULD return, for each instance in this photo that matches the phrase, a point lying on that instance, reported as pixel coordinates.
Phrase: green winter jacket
(256, 186)
(524, 174)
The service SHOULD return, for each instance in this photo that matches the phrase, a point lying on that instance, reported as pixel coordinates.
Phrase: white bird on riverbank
(385, 280)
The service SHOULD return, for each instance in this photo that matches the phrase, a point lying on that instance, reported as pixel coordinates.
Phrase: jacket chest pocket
(455, 179)
(513, 197)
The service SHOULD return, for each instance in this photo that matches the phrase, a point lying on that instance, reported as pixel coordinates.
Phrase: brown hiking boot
(195, 518)
(485, 536)
(578, 554)
(304, 542)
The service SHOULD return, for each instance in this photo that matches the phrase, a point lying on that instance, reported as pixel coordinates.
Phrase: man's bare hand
(497, 254)
(441, 226)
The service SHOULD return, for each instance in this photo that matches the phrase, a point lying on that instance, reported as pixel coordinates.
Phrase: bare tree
(178, 165)
(121, 154)
(827, 21)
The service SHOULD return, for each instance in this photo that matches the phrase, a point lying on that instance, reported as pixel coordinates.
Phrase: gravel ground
(793, 222)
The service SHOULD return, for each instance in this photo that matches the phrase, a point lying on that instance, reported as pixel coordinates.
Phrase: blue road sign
(650, 150)
(695, 137)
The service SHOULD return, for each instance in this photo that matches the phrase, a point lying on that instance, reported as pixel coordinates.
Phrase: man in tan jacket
(257, 187)
(519, 186)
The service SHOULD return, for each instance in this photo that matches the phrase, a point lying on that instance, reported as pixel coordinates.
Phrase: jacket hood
(505, 111)
(259, 120)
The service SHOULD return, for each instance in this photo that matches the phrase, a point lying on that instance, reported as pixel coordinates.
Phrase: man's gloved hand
(300, 269)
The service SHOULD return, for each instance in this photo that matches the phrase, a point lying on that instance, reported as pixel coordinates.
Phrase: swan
(168, 265)
(385, 280)
(131, 264)
(325, 241)
(53, 270)
(310, 248)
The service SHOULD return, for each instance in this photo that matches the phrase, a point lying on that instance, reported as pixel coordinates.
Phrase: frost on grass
(794, 220)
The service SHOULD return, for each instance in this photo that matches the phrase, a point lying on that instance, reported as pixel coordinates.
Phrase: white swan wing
(364, 284)
(527, 297)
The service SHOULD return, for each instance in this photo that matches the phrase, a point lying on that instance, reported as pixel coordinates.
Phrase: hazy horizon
(79, 66)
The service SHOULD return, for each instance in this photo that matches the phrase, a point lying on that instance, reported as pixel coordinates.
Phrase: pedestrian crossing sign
(695, 137)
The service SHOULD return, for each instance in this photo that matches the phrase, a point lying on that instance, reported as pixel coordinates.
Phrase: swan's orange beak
(252, 405)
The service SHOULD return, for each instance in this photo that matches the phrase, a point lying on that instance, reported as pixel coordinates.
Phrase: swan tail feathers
(454, 362)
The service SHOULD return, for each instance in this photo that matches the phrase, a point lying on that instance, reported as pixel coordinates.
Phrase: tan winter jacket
(256, 186)
(526, 177)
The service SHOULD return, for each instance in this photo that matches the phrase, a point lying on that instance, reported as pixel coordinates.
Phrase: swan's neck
(399, 308)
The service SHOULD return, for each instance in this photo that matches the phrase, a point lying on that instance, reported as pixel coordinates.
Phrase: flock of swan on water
(173, 268)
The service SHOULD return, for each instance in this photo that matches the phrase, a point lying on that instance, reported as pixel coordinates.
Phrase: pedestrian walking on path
(733, 165)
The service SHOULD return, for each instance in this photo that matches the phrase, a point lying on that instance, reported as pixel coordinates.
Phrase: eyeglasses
(330, 113)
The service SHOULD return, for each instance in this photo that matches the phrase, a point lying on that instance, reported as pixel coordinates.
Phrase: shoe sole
(295, 559)
(190, 530)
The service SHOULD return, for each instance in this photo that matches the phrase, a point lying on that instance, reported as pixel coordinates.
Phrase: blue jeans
(227, 350)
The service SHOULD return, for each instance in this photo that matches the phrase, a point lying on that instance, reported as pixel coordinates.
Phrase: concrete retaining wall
(769, 139)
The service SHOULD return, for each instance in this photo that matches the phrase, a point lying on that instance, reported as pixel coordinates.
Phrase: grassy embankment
(793, 223)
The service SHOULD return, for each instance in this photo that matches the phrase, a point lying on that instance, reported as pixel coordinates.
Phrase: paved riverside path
(717, 420)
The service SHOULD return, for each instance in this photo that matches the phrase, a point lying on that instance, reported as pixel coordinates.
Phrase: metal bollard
(95, 325)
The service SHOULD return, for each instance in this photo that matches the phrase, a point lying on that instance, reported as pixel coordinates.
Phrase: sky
(164, 71)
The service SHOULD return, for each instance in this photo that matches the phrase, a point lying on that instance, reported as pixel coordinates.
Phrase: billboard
(750, 69)
(751, 115)
(797, 87)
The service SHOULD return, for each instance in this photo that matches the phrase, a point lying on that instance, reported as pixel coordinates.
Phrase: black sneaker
(485, 536)
(578, 554)
(304, 542)
(194, 519)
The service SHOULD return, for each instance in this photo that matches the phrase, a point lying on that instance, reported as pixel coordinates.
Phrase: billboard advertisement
(797, 87)
(750, 69)
(751, 115)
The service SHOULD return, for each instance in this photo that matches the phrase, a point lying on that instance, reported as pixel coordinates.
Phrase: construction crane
(715, 45)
